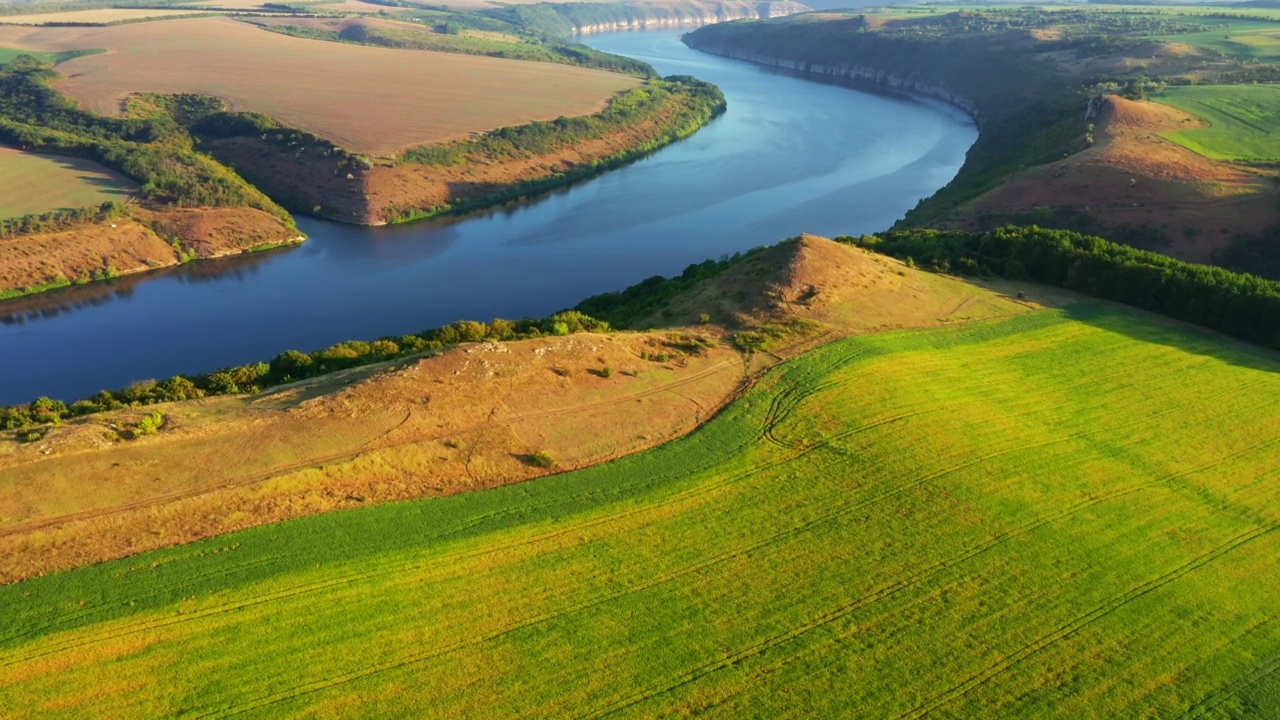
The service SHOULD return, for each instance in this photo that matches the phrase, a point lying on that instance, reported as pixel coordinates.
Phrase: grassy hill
(1058, 94)
(1066, 512)
(455, 418)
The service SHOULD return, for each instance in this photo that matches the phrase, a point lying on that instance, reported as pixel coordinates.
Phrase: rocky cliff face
(657, 17)
(853, 74)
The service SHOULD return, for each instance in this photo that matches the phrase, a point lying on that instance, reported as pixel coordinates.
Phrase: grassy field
(1243, 120)
(1248, 39)
(1070, 512)
(8, 54)
(31, 183)
(366, 99)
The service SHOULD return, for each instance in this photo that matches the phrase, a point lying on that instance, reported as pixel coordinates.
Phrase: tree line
(694, 101)
(1237, 304)
(61, 219)
(622, 308)
(150, 147)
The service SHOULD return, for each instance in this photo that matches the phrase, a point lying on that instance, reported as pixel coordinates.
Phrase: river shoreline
(788, 156)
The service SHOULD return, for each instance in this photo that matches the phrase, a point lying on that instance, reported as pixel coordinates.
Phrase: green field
(8, 54)
(1065, 513)
(1239, 39)
(1244, 119)
(31, 183)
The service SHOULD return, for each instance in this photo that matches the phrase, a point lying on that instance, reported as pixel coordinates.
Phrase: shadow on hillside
(1148, 327)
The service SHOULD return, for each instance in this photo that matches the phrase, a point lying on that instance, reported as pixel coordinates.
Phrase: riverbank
(857, 76)
(140, 241)
(496, 167)
(331, 183)
(1026, 111)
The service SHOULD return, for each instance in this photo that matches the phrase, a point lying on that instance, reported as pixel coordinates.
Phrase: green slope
(1069, 513)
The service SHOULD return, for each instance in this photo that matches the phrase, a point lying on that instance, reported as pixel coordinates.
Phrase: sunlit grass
(1065, 513)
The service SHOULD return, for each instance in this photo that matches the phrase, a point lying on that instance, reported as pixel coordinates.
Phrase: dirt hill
(837, 288)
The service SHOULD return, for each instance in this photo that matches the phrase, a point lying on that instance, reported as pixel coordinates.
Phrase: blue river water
(789, 156)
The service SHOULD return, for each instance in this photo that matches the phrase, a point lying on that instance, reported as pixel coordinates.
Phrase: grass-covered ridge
(992, 518)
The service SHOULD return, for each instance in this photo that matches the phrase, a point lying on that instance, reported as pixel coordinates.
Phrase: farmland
(31, 183)
(1249, 39)
(1242, 119)
(95, 17)
(1088, 545)
(321, 87)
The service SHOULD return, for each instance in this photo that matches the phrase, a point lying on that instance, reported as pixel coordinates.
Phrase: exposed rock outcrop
(658, 17)
(854, 75)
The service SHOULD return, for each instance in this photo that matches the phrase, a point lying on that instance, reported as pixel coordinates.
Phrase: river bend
(789, 156)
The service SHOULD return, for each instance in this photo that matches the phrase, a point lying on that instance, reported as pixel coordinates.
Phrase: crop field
(99, 17)
(1063, 513)
(8, 54)
(1244, 121)
(31, 183)
(350, 6)
(366, 99)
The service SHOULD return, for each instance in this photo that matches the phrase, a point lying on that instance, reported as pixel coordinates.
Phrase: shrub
(149, 425)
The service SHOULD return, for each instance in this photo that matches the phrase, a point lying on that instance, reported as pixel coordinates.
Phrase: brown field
(31, 183)
(338, 24)
(480, 4)
(129, 246)
(371, 196)
(1131, 175)
(459, 420)
(366, 99)
(357, 6)
(230, 4)
(99, 17)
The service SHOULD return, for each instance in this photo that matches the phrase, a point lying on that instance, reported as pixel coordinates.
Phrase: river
(789, 156)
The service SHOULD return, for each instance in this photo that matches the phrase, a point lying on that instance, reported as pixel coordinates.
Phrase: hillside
(467, 418)
(1132, 176)
(1061, 513)
(1059, 145)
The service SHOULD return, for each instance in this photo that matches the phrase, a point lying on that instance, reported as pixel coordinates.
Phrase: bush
(149, 425)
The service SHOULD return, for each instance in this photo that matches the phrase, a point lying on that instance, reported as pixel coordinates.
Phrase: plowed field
(366, 99)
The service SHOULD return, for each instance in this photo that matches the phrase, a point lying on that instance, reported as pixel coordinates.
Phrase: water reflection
(55, 303)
